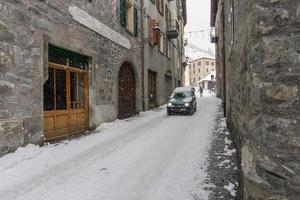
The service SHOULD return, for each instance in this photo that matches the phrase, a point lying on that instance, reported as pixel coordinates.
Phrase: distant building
(208, 82)
(198, 69)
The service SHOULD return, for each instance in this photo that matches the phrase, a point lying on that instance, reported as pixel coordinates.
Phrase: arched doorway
(126, 91)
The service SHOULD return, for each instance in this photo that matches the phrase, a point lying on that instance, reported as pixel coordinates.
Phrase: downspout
(224, 59)
(142, 54)
(180, 59)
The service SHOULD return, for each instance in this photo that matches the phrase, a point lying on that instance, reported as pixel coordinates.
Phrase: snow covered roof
(208, 77)
(200, 58)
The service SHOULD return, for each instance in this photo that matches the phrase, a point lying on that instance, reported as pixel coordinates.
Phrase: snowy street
(152, 156)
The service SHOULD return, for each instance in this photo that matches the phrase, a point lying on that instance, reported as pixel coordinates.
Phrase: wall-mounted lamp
(213, 35)
(156, 28)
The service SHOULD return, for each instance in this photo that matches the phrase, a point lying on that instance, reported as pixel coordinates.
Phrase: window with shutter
(136, 22)
(123, 13)
(153, 36)
(129, 16)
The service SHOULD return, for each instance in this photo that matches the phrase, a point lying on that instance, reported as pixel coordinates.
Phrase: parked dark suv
(182, 100)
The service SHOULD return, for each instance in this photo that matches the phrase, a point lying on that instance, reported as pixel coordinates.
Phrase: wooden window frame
(130, 19)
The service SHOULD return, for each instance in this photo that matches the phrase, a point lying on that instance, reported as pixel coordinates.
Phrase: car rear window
(183, 94)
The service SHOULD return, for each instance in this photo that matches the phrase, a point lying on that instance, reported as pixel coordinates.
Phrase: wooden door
(126, 89)
(151, 89)
(65, 100)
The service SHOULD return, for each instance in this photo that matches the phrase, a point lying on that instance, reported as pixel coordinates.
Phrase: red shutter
(152, 34)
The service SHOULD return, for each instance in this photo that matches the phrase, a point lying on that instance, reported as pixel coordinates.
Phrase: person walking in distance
(200, 91)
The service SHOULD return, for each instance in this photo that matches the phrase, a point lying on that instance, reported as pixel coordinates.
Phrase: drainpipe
(224, 59)
(142, 54)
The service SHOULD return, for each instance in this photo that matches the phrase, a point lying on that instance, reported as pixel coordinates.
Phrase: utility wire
(199, 33)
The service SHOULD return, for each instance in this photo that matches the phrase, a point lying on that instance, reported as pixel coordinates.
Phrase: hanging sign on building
(90, 22)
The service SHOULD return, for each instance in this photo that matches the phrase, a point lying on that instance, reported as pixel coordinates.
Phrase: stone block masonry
(27, 27)
(262, 94)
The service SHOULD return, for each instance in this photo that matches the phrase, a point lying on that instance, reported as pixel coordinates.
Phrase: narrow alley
(152, 156)
(91, 91)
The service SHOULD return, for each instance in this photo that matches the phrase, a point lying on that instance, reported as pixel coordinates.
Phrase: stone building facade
(198, 69)
(67, 65)
(258, 77)
(163, 49)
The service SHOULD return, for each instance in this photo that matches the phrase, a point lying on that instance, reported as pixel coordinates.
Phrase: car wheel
(191, 112)
(195, 109)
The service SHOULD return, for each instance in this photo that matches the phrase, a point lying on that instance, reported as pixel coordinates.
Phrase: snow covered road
(150, 157)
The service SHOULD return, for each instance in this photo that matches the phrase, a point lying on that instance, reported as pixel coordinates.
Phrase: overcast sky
(198, 12)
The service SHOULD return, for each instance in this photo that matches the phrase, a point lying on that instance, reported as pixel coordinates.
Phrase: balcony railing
(172, 29)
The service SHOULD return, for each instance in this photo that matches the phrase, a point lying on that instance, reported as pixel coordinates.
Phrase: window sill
(130, 32)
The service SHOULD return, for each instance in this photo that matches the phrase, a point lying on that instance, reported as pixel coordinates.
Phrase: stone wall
(262, 95)
(26, 29)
